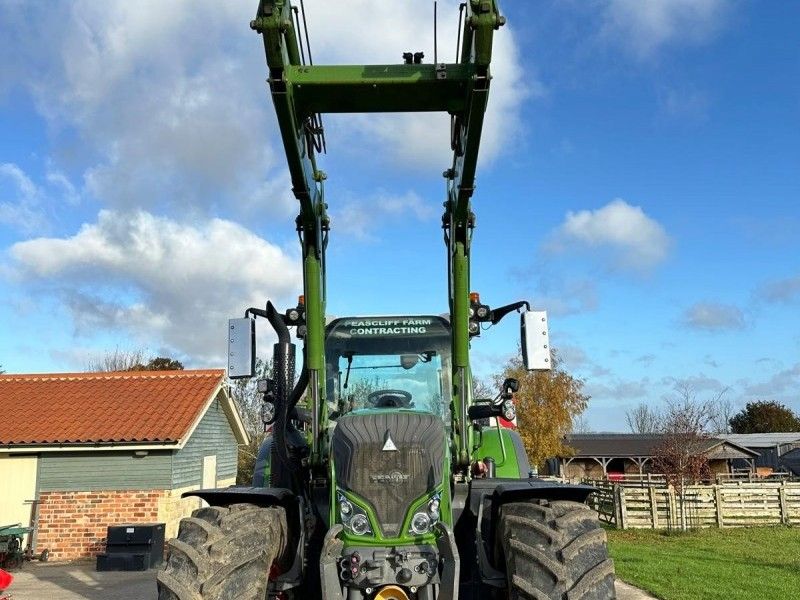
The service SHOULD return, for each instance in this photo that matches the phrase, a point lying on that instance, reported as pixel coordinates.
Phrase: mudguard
(500, 491)
(259, 496)
(505, 447)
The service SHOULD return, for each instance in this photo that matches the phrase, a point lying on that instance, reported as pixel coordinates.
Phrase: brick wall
(73, 524)
(172, 508)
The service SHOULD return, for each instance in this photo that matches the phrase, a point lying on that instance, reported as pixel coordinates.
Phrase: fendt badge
(395, 478)
(389, 446)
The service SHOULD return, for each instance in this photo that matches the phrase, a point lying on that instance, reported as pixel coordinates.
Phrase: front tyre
(554, 550)
(224, 554)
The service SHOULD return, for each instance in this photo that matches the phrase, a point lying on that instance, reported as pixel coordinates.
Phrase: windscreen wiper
(349, 356)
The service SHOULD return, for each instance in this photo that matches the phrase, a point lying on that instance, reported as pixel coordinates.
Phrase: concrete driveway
(79, 581)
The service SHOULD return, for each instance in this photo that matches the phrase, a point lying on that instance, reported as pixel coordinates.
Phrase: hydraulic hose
(300, 388)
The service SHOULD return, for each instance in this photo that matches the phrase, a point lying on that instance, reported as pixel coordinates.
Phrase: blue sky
(639, 178)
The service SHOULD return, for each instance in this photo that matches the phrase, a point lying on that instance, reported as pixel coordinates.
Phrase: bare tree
(722, 413)
(644, 419)
(245, 394)
(117, 360)
(580, 424)
(482, 389)
(681, 454)
(685, 412)
(133, 360)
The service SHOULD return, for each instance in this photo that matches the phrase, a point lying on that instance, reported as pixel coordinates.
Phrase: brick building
(98, 449)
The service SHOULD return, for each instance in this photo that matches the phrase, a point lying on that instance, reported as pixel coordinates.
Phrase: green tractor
(383, 478)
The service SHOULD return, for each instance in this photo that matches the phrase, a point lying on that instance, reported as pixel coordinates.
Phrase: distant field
(710, 564)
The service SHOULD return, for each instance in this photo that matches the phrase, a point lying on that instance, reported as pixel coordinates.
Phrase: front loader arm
(302, 92)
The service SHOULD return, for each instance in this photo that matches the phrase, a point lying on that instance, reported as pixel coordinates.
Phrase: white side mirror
(241, 348)
(535, 341)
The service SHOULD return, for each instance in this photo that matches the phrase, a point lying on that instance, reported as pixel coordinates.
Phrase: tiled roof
(97, 408)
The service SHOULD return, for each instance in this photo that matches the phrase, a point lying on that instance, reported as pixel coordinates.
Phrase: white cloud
(168, 102)
(620, 389)
(695, 383)
(573, 356)
(171, 108)
(645, 27)
(632, 239)
(362, 219)
(783, 290)
(713, 316)
(161, 281)
(20, 200)
(556, 291)
(65, 190)
(562, 298)
(421, 139)
(646, 359)
(29, 206)
(779, 383)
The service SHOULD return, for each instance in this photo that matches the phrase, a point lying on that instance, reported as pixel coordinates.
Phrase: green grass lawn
(708, 564)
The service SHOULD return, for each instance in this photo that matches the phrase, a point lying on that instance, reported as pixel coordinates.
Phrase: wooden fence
(729, 504)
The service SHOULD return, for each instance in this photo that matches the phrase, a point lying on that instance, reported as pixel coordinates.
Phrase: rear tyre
(224, 553)
(554, 550)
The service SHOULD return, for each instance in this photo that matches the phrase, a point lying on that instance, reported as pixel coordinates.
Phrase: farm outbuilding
(604, 455)
(777, 452)
(98, 449)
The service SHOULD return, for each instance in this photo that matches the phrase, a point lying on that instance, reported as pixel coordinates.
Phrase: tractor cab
(385, 363)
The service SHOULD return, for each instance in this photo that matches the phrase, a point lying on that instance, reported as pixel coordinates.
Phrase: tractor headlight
(426, 516)
(509, 410)
(433, 509)
(421, 523)
(268, 413)
(359, 524)
(353, 517)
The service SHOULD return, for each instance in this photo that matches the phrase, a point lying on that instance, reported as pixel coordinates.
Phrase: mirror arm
(498, 313)
(256, 312)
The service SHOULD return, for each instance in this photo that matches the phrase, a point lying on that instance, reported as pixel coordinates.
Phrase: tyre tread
(554, 551)
(230, 558)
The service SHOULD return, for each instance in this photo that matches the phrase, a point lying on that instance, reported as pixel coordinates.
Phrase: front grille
(389, 480)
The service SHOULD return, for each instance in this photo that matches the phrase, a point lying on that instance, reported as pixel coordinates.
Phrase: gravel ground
(79, 581)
